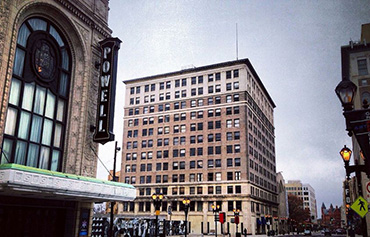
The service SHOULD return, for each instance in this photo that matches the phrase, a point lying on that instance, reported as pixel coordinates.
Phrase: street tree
(297, 212)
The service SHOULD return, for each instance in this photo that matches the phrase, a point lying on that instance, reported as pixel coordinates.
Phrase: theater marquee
(107, 90)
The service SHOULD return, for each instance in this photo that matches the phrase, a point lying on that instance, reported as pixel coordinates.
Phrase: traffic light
(222, 217)
(236, 219)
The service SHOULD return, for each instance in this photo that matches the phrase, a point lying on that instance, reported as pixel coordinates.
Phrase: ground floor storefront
(36, 202)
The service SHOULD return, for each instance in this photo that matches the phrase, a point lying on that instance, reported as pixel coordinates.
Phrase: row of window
(262, 182)
(198, 177)
(182, 129)
(180, 117)
(176, 106)
(183, 82)
(211, 150)
(181, 177)
(195, 206)
(176, 165)
(183, 93)
(263, 194)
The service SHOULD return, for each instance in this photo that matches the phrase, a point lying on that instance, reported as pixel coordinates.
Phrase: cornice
(106, 32)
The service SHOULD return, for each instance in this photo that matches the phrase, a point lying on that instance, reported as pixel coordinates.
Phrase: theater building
(206, 134)
(49, 83)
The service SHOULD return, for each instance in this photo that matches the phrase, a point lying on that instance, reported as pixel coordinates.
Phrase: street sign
(360, 206)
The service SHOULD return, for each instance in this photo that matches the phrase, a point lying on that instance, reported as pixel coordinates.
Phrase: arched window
(37, 108)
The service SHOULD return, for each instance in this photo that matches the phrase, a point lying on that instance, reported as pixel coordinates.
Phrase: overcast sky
(293, 45)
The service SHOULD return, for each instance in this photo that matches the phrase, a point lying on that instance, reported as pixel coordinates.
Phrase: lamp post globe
(157, 200)
(345, 153)
(346, 91)
(215, 209)
(186, 203)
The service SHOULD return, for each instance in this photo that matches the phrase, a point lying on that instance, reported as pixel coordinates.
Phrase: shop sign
(107, 90)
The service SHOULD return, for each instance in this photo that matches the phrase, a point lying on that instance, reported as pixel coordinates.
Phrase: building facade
(355, 66)
(331, 217)
(48, 90)
(306, 193)
(206, 134)
(283, 204)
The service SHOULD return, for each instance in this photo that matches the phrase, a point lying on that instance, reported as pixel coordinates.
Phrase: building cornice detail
(83, 17)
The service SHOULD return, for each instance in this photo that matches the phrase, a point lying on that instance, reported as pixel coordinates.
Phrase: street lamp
(236, 219)
(345, 153)
(186, 203)
(157, 200)
(216, 210)
(358, 124)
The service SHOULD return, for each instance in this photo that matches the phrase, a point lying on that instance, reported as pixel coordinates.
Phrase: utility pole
(116, 149)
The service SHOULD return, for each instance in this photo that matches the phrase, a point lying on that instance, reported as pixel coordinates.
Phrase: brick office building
(203, 133)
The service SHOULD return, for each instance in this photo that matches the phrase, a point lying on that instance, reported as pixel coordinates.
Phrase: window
(177, 83)
(193, 80)
(228, 86)
(183, 82)
(146, 88)
(218, 88)
(152, 87)
(177, 94)
(228, 99)
(200, 79)
(218, 189)
(200, 91)
(362, 67)
(210, 101)
(38, 110)
(236, 73)
(218, 76)
(168, 85)
(210, 89)
(218, 176)
(236, 85)
(193, 92)
(228, 74)
(192, 164)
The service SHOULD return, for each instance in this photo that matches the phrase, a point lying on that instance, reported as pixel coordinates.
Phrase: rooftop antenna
(236, 38)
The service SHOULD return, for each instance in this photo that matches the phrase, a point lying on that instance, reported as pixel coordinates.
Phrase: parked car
(340, 231)
(307, 232)
(327, 232)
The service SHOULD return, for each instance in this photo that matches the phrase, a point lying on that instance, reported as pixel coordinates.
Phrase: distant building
(306, 193)
(331, 217)
(283, 204)
(207, 134)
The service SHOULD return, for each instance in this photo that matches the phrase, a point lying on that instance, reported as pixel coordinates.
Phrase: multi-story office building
(306, 193)
(203, 133)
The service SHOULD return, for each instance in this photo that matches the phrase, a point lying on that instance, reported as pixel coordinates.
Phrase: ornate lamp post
(157, 201)
(216, 210)
(358, 124)
(236, 219)
(186, 203)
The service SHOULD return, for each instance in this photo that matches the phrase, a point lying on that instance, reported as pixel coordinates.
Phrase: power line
(101, 162)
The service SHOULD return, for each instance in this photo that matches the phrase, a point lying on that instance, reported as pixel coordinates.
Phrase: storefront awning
(19, 180)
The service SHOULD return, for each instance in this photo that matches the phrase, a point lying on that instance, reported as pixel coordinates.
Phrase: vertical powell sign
(107, 90)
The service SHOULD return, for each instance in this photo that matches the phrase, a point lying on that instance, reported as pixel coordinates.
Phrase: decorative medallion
(44, 61)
